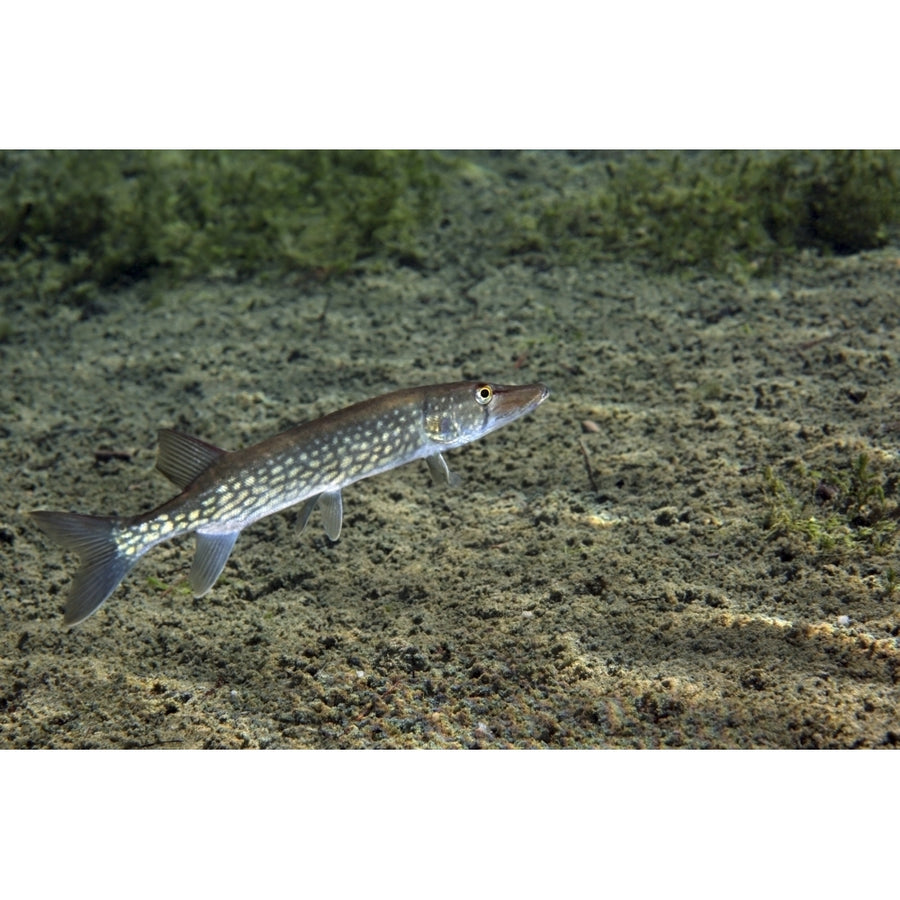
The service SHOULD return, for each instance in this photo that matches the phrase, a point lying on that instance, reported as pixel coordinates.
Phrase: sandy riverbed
(608, 585)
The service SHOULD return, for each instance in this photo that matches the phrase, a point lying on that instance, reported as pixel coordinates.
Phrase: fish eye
(483, 394)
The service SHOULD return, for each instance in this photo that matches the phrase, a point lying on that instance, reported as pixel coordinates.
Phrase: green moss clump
(848, 509)
(732, 212)
(73, 221)
(853, 200)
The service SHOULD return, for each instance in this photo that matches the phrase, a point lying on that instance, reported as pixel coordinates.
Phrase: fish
(223, 492)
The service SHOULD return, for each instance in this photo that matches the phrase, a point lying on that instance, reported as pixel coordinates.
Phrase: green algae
(74, 222)
(847, 509)
(734, 213)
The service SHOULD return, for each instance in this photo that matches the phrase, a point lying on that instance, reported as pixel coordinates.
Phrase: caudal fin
(103, 565)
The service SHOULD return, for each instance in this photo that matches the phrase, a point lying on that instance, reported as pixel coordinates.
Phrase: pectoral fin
(440, 471)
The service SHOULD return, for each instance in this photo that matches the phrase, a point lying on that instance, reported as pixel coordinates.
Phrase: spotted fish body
(223, 493)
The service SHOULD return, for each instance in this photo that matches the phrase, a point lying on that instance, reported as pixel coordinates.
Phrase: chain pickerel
(223, 492)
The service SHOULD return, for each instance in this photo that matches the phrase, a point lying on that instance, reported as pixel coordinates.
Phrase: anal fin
(212, 553)
(332, 513)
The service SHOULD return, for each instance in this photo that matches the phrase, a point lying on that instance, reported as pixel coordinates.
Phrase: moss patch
(74, 223)
(848, 509)
(71, 222)
(737, 213)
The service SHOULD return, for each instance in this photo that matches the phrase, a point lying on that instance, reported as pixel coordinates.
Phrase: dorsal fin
(181, 457)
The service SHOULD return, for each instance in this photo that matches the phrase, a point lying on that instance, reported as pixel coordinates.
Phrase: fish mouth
(528, 396)
(514, 401)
